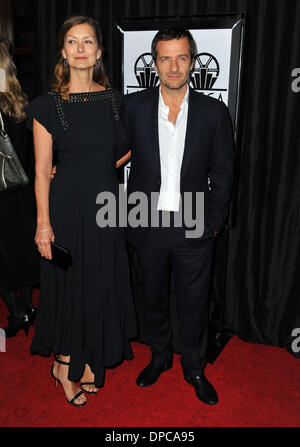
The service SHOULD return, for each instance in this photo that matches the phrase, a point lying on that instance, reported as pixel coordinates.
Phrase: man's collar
(184, 100)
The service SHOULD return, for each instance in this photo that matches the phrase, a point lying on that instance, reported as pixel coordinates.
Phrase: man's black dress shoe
(204, 390)
(151, 373)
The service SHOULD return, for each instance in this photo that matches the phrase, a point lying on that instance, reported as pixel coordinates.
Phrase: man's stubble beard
(175, 87)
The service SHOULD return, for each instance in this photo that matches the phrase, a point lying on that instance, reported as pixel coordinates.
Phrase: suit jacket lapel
(191, 126)
(154, 137)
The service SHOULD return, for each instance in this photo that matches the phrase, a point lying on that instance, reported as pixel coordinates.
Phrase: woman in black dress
(19, 261)
(85, 314)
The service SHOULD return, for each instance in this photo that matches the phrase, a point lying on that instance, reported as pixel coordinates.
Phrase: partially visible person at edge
(19, 261)
(178, 139)
(7, 45)
(85, 314)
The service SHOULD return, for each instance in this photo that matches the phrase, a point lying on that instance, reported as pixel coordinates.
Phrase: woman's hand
(43, 236)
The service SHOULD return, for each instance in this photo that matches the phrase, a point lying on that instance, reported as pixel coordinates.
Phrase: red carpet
(257, 385)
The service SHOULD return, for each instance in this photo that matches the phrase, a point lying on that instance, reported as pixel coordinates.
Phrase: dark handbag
(12, 174)
(61, 256)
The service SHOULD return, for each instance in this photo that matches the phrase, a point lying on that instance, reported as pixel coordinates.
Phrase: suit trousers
(165, 249)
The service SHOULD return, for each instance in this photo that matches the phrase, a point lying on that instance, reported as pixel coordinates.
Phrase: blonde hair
(13, 100)
(62, 72)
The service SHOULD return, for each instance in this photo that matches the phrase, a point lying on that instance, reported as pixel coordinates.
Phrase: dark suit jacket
(208, 152)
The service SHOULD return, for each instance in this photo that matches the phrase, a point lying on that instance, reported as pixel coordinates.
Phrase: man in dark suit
(178, 138)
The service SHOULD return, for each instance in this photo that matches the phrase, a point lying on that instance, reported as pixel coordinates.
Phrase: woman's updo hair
(62, 72)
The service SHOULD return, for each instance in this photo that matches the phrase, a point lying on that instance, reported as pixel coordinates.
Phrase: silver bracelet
(42, 231)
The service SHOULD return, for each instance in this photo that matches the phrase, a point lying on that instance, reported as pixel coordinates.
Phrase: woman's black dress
(86, 312)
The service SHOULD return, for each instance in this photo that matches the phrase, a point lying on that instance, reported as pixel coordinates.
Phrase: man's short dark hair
(170, 34)
(7, 43)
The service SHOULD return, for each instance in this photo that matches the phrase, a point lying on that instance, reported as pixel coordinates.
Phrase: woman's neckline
(87, 93)
(84, 96)
(88, 96)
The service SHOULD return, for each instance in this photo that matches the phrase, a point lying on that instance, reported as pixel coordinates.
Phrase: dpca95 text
(170, 436)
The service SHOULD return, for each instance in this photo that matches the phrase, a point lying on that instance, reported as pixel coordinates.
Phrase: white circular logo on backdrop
(144, 71)
(206, 71)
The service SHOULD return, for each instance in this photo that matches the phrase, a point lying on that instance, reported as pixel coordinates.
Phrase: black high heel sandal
(26, 301)
(31, 311)
(72, 401)
(16, 324)
(19, 318)
(86, 391)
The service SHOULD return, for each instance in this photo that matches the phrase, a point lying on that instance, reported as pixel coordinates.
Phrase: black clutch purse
(12, 174)
(60, 256)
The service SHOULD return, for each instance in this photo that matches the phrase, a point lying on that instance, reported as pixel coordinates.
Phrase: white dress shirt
(171, 147)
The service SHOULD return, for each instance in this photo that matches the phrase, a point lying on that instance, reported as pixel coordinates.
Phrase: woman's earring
(99, 62)
(66, 63)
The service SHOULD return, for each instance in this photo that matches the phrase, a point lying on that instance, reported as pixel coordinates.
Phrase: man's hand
(215, 233)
